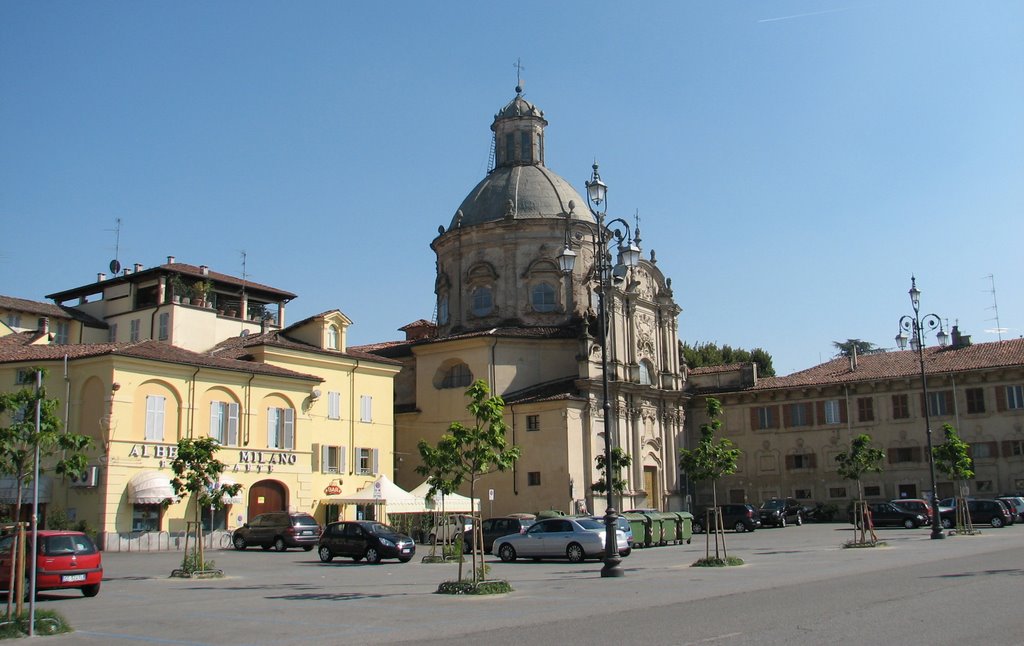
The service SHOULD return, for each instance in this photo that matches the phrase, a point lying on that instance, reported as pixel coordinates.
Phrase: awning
(150, 488)
(226, 499)
(9, 490)
(382, 492)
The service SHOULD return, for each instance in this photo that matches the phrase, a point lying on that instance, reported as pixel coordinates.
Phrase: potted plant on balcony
(179, 290)
(200, 291)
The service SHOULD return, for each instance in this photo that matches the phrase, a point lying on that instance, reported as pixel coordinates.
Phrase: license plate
(406, 550)
(71, 578)
(307, 532)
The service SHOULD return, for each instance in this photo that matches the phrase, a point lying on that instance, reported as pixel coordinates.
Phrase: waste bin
(681, 526)
(663, 527)
(641, 526)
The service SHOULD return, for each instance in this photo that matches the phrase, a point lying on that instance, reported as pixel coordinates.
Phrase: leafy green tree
(711, 460)
(846, 348)
(21, 445)
(862, 458)
(709, 354)
(466, 453)
(197, 473)
(953, 457)
(620, 461)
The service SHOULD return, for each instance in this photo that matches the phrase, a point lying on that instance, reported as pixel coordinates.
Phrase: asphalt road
(799, 586)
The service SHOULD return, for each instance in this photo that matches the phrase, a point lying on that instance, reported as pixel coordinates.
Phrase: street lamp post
(917, 326)
(629, 256)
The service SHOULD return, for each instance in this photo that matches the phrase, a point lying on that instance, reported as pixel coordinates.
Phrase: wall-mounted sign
(159, 451)
(332, 490)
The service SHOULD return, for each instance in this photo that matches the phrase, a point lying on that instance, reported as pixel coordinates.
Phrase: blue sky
(792, 162)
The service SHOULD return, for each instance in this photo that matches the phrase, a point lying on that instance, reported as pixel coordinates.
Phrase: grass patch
(474, 587)
(48, 622)
(713, 561)
(857, 544)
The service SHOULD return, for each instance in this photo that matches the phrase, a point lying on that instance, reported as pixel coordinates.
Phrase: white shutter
(289, 429)
(376, 457)
(272, 425)
(325, 458)
(333, 405)
(215, 423)
(366, 408)
(155, 418)
(342, 458)
(232, 435)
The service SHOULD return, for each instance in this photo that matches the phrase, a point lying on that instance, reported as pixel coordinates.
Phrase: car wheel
(697, 527)
(996, 521)
(306, 548)
(239, 543)
(740, 527)
(325, 554)
(947, 523)
(432, 539)
(626, 552)
(91, 590)
(507, 553)
(575, 553)
(279, 544)
(799, 520)
(404, 559)
(372, 556)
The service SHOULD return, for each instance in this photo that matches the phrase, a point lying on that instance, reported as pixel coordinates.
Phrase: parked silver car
(575, 539)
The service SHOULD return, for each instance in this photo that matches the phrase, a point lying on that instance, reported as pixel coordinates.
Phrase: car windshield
(773, 504)
(68, 544)
(590, 523)
(381, 528)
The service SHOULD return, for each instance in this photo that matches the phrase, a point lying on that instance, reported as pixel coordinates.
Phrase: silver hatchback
(575, 539)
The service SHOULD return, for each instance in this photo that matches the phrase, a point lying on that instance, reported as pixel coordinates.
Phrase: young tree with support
(711, 460)
(862, 458)
(33, 434)
(620, 460)
(197, 473)
(953, 457)
(466, 453)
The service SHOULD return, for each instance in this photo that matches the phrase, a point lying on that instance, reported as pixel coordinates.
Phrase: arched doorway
(267, 495)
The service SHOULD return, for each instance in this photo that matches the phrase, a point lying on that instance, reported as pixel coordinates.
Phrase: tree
(862, 458)
(466, 453)
(620, 460)
(953, 457)
(847, 347)
(197, 473)
(711, 460)
(709, 354)
(22, 447)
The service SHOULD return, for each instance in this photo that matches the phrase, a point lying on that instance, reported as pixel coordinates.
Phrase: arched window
(483, 302)
(442, 310)
(457, 376)
(332, 337)
(542, 297)
(645, 372)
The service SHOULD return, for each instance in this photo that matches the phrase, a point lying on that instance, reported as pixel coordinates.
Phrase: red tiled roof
(561, 389)
(904, 363)
(710, 370)
(49, 310)
(403, 347)
(151, 350)
(238, 347)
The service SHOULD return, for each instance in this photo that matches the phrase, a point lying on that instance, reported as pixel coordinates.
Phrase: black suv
(982, 512)
(278, 529)
(739, 517)
(496, 528)
(777, 512)
(364, 539)
(887, 514)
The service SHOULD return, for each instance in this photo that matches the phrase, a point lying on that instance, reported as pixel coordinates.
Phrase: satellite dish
(244, 333)
(115, 267)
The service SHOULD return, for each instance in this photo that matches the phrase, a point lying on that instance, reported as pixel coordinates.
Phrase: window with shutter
(366, 408)
(155, 418)
(865, 409)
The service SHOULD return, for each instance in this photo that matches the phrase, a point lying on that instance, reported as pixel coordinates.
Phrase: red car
(66, 560)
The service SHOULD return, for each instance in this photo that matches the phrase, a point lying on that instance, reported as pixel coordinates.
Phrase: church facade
(507, 314)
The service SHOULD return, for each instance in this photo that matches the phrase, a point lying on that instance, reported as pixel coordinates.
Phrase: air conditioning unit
(90, 478)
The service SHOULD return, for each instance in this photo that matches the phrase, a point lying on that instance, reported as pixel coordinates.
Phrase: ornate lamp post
(917, 326)
(628, 256)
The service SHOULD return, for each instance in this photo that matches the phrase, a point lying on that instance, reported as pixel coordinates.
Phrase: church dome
(520, 186)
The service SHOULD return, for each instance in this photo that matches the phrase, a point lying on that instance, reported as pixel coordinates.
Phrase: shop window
(146, 518)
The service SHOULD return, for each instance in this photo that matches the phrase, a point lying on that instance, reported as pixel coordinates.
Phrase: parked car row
(911, 513)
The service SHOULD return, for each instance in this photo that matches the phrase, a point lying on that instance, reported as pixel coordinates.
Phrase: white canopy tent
(382, 492)
(454, 502)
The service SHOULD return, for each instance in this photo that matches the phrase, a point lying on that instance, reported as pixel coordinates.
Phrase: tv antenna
(995, 306)
(115, 264)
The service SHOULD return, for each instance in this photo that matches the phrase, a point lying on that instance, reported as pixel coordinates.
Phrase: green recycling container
(641, 526)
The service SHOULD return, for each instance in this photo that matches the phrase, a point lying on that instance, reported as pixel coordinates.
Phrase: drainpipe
(192, 403)
(248, 411)
(351, 449)
(515, 463)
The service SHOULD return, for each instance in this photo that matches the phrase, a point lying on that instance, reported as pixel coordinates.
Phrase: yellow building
(301, 418)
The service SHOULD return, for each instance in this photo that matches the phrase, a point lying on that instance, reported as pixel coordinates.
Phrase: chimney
(44, 325)
(127, 271)
(853, 359)
(100, 277)
(204, 270)
(138, 267)
(170, 260)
